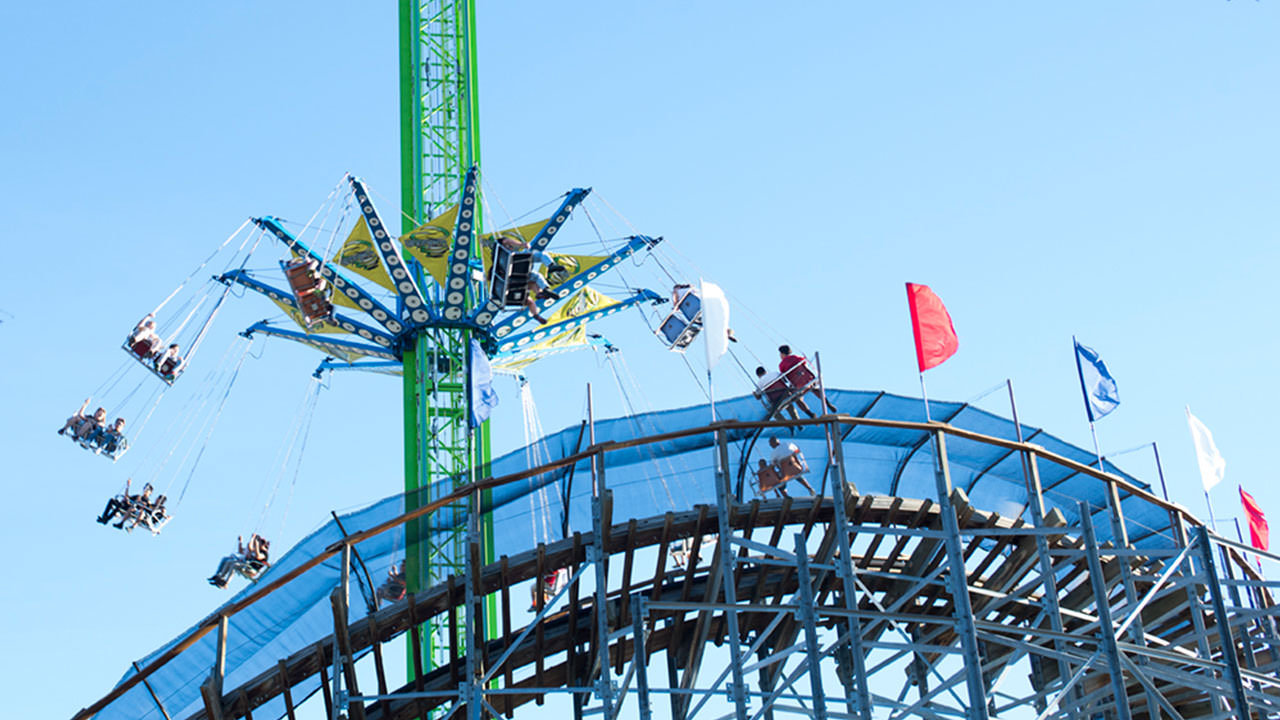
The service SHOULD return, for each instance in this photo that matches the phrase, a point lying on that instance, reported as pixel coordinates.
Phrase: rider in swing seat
(83, 426)
(789, 463)
(125, 505)
(110, 441)
(550, 584)
(248, 560)
(393, 589)
(795, 370)
(773, 389)
(144, 341)
(169, 362)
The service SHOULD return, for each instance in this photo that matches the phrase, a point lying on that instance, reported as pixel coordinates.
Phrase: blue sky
(1099, 169)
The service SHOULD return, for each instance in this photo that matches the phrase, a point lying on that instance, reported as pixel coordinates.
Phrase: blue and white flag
(1101, 395)
(483, 397)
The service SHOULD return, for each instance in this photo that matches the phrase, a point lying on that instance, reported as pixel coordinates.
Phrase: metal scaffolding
(840, 605)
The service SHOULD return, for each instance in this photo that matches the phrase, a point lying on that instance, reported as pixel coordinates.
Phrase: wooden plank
(286, 689)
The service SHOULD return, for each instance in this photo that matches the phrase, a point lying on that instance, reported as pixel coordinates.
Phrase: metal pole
(1164, 489)
(640, 656)
(958, 577)
(344, 588)
(597, 556)
(1048, 576)
(1224, 628)
(727, 566)
(924, 394)
(844, 569)
(1107, 629)
(812, 648)
(1013, 404)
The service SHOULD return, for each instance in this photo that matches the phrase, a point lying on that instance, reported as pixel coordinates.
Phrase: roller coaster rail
(801, 596)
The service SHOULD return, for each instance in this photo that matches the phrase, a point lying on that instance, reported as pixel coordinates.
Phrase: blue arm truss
(368, 332)
(341, 283)
(328, 344)
(485, 314)
(455, 293)
(406, 288)
(384, 367)
(634, 243)
(512, 344)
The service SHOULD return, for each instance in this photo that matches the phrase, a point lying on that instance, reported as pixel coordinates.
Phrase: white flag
(715, 322)
(1212, 466)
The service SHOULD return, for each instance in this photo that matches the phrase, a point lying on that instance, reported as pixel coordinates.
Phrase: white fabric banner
(715, 322)
(1212, 466)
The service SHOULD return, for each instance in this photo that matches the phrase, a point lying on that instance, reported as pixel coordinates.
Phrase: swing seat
(677, 332)
(141, 349)
(308, 290)
(800, 377)
(689, 306)
(509, 276)
(251, 569)
(790, 467)
(767, 479)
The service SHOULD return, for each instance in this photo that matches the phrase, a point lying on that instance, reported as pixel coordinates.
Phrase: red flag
(1259, 536)
(931, 324)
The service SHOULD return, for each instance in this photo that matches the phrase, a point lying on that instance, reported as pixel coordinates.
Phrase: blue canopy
(646, 480)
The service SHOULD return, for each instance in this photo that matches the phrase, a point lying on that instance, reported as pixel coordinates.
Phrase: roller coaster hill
(948, 564)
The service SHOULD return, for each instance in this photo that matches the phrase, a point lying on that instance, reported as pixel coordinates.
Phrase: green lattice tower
(439, 141)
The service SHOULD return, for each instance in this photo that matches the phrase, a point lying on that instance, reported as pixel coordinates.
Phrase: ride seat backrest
(509, 276)
(690, 307)
(767, 478)
(791, 467)
(800, 376)
(677, 331)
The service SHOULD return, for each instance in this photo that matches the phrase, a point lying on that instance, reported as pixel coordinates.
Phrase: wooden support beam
(342, 641)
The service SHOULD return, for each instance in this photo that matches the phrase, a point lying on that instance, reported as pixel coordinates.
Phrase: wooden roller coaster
(846, 605)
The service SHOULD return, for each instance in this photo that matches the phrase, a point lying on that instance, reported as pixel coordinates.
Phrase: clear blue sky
(1094, 168)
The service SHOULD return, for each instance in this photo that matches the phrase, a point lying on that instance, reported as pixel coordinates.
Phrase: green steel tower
(439, 143)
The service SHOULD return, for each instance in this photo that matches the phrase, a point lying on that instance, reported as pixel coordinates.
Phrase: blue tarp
(646, 480)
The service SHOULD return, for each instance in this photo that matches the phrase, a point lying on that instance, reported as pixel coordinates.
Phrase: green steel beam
(439, 141)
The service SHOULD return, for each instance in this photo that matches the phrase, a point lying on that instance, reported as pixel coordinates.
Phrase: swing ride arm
(456, 287)
(485, 314)
(242, 278)
(550, 331)
(634, 243)
(341, 283)
(328, 344)
(406, 289)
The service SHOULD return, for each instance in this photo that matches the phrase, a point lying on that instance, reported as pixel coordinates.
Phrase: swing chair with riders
(136, 509)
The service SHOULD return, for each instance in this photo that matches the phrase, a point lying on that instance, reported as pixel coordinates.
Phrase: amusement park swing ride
(886, 590)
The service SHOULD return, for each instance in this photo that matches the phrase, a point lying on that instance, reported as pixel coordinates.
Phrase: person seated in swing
(125, 506)
(771, 388)
(549, 584)
(248, 560)
(795, 370)
(82, 425)
(789, 462)
(393, 588)
(169, 362)
(110, 440)
(143, 341)
(152, 516)
(767, 478)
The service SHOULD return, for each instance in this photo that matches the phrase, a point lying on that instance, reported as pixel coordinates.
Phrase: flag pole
(1096, 450)
(1164, 489)
(1084, 392)
(925, 394)
(1213, 524)
(1013, 405)
(711, 394)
